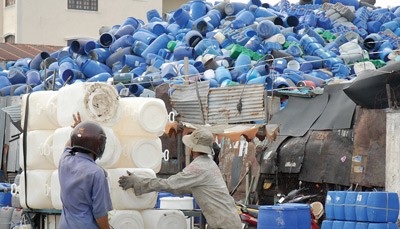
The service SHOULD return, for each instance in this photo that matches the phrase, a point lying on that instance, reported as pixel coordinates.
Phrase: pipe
(35, 62)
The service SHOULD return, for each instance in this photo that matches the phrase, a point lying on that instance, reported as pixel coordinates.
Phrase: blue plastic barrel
(330, 196)
(338, 205)
(303, 214)
(338, 224)
(382, 226)
(277, 217)
(327, 224)
(5, 197)
(361, 206)
(350, 206)
(362, 225)
(349, 225)
(383, 207)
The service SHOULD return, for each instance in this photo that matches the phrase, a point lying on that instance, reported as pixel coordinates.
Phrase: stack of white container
(132, 126)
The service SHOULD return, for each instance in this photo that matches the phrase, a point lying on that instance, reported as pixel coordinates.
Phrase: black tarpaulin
(269, 158)
(291, 154)
(299, 115)
(369, 88)
(327, 157)
(339, 111)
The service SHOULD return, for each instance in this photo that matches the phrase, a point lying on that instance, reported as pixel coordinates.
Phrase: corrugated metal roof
(184, 100)
(219, 104)
(10, 52)
(223, 104)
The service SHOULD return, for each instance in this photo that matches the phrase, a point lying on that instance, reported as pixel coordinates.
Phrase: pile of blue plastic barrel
(361, 210)
(227, 44)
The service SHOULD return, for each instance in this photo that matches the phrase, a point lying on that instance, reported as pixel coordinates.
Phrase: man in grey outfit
(202, 178)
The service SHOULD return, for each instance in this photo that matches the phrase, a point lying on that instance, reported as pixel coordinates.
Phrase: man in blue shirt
(84, 188)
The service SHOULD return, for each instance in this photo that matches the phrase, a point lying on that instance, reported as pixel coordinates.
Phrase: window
(90, 5)
(9, 39)
(10, 2)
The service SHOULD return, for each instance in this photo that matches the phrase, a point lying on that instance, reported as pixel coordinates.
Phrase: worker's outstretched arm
(180, 183)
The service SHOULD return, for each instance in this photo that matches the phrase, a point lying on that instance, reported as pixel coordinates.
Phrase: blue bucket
(383, 207)
(277, 217)
(350, 206)
(329, 206)
(361, 206)
(327, 224)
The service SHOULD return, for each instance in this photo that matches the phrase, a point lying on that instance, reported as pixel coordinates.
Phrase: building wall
(170, 5)
(2, 21)
(9, 20)
(50, 22)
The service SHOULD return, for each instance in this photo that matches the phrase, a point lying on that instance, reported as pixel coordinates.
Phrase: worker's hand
(126, 182)
(77, 119)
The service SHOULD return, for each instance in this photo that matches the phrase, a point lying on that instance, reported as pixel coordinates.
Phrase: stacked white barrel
(132, 127)
(34, 186)
(361, 210)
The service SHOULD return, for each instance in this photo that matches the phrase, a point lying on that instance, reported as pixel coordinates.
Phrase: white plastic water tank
(37, 190)
(55, 192)
(38, 155)
(126, 199)
(180, 203)
(140, 152)
(111, 153)
(60, 138)
(42, 113)
(112, 150)
(142, 117)
(15, 192)
(98, 102)
(126, 219)
(163, 219)
(176, 202)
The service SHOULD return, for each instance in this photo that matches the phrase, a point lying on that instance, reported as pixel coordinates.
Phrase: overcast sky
(381, 3)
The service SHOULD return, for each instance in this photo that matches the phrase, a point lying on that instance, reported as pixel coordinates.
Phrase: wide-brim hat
(201, 140)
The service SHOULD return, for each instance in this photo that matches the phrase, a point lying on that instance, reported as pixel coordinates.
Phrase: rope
(24, 148)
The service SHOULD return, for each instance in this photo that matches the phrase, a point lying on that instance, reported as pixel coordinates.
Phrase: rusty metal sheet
(185, 101)
(269, 160)
(368, 162)
(223, 103)
(327, 157)
(291, 154)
